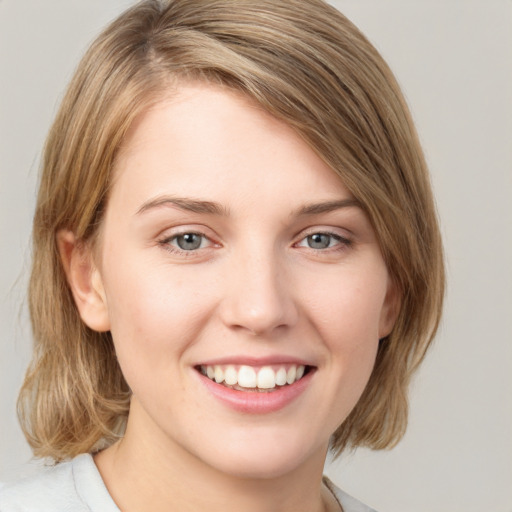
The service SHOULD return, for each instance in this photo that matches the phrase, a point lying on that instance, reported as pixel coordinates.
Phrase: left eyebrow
(328, 206)
(183, 203)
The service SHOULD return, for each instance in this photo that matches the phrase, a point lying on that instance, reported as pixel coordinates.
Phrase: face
(243, 286)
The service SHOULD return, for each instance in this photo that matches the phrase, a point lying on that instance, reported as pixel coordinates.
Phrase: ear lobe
(390, 310)
(84, 280)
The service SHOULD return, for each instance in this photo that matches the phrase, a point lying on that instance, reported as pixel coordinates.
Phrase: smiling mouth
(248, 378)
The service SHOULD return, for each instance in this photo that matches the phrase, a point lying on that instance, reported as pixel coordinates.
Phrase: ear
(84, 280)
(390, 309)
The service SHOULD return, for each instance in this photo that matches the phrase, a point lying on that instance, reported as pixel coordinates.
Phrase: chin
(250, 469)
(260, 459)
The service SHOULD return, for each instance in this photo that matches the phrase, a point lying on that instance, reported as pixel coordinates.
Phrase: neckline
(330, 487)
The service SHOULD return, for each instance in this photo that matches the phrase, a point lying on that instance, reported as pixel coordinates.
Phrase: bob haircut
(308, 66)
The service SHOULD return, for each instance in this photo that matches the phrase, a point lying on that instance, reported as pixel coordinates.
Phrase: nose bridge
(259, 297)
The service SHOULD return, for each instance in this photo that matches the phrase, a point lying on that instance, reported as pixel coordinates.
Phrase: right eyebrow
(184, 203)
(328, 206)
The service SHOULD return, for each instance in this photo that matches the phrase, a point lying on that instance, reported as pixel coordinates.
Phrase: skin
(254, 288)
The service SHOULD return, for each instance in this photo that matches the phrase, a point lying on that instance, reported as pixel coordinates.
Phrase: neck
(160, 477)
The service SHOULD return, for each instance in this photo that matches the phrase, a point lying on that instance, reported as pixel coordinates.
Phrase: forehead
(202, 138)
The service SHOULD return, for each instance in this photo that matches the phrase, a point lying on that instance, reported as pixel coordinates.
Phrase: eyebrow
(184, 203)
(328, 206)
(213, 208)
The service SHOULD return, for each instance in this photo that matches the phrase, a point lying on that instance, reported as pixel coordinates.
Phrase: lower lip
(257, 402)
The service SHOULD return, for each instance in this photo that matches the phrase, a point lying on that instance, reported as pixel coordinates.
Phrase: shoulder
(68, 486)
(51, 488)
(348, 503)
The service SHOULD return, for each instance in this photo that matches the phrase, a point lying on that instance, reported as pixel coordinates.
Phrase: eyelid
(336, 232)
(172, 234)
(344, 241)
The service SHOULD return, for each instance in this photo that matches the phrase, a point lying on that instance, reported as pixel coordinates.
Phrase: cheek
(348, 308)
(155, 314)
(347, 317)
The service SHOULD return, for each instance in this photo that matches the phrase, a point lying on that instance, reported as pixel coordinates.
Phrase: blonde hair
(307, 65)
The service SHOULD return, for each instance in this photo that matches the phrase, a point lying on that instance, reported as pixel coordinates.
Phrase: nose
(258, 296)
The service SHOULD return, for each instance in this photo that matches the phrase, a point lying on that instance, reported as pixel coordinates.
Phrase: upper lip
(255, 361)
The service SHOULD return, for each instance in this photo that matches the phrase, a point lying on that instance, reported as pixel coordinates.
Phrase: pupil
(189, 241)
(319, 241)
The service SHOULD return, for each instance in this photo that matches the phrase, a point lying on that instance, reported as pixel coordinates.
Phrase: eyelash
(342, 243)
(166, 243)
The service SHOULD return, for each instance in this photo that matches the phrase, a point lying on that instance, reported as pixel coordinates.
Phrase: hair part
(308, 66)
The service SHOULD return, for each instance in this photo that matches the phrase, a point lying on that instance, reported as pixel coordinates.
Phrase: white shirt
(77, 486)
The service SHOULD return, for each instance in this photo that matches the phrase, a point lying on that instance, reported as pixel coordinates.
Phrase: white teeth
(231, 376)
(266, 378)
(248, 377)
(281, 377)
(291, 374)
(218, 374)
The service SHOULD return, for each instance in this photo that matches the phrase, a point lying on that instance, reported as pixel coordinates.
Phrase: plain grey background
(454, 61)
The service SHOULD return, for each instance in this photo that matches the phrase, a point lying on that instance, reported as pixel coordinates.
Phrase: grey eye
(319, 241)
(189, 241)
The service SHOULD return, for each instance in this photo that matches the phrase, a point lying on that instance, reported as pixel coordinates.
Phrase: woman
(237, 264)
